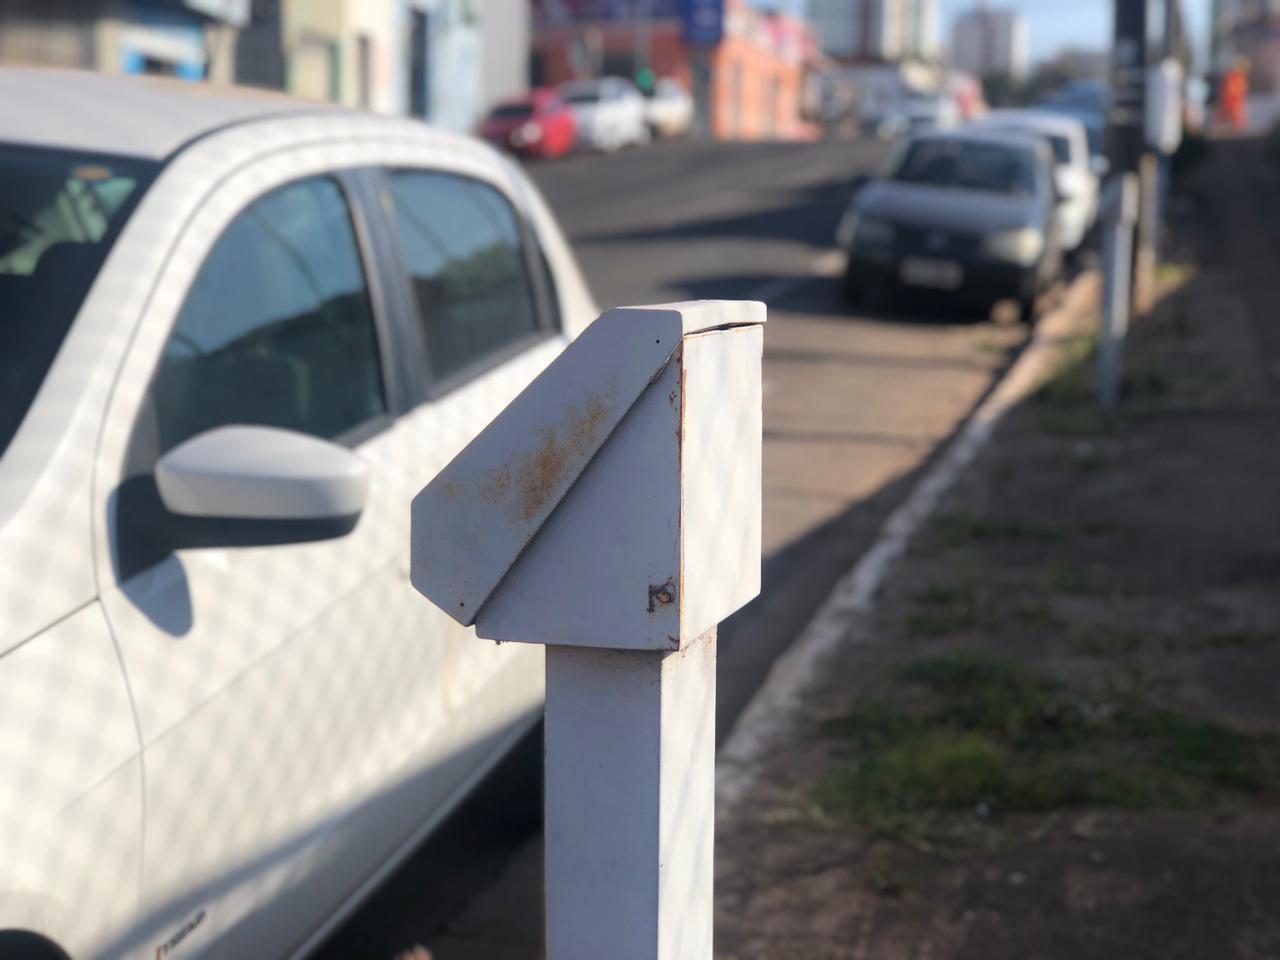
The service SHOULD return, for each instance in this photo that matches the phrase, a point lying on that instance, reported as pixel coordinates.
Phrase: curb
(776, 707)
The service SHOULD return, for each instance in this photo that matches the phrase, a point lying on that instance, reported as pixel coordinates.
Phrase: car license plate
(934, 274)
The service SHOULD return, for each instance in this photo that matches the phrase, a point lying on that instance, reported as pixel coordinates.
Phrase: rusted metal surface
(662, 593)
(574, 498)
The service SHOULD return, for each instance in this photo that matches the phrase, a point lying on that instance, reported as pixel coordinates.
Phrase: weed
(1076, 421)
(965, 732)
(886, 879)
(1239, 639)
(1113, 642)
(945, 608)
(960, 527)
(1064, 577)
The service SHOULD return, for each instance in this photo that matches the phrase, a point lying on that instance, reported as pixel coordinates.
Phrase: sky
(1054, 24)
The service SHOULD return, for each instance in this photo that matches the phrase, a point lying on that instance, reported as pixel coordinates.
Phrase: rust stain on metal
(452, 490)
(495, 486)
(539, 475)
(662, 594)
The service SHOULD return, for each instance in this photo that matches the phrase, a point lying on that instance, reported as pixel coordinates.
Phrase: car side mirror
(261, 473)
(1100, 165)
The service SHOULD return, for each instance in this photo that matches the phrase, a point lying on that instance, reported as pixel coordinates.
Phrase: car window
(968, 165)
(59, 214)
(463, 248)
(277, 329)
(512, 111)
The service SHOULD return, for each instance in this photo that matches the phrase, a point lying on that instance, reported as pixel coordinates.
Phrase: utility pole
(1127, 132)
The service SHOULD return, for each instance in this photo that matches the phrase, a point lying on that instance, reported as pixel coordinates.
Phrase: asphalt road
(855, 406)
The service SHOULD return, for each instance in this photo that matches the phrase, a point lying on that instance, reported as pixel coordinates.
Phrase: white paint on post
(612, 512)
(1120, 213)
(630, 794)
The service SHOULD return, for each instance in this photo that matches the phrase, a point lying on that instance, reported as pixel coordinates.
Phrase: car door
(485, 305)
(270, 680)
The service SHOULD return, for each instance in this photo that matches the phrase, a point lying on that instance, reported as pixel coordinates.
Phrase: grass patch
(943, 608)
(1063, 577)
(1078, 420)
(1101, 641)
(1171, 275)
(1239, 639)
(958, 528)
(966, 732)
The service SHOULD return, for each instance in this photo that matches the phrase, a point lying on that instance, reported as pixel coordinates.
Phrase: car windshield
(59, 214)
(512, 111)
(590, 95)
(967, 165)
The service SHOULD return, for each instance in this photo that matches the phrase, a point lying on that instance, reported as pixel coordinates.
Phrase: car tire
(1029, 309)
(851, 286)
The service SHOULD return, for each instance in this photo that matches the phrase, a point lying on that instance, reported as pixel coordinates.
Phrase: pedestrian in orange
(1232, 102)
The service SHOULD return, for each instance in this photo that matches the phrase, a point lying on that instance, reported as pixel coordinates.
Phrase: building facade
(446, 61)
(193, 40)
(755, 82)
(877, 30)
(990, 42)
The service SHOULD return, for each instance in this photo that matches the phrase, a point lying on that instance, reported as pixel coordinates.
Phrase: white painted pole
(1120, 216)
(612, 513)
(630, 802)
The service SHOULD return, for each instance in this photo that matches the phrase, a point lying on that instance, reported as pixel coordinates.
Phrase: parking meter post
(1120, 212)
(630, 802)
(612, 513)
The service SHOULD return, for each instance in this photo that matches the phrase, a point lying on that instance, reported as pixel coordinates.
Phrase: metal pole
(630, 802)
(1120, 212)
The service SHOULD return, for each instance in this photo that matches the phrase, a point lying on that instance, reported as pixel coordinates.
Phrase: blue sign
(703, 22)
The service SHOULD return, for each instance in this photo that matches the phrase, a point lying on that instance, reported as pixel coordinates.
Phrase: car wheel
(1029, 309)
(851, 286)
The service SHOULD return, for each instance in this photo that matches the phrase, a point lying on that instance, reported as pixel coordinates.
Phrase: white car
(670, 109)
(239, 333)
(1074, 171)
(610, 113)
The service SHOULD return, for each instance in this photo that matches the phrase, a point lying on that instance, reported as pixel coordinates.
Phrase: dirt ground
(1058, 735)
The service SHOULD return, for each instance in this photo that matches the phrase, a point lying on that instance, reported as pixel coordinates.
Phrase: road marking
(775, 708)
(824, 265)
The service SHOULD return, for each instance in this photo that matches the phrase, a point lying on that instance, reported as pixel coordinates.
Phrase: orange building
(757, 83)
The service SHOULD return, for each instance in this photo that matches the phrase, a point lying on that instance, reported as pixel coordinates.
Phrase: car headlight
(1022, 246)
(872, 232)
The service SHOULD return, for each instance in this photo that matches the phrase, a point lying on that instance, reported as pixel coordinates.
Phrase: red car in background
(538, 124)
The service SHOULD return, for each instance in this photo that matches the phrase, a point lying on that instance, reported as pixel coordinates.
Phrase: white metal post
(1120, 212)
(630, 794)
(612, 513)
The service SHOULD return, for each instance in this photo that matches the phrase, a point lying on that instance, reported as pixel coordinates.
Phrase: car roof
(148, 117)
(977, 134)
(1046, 120)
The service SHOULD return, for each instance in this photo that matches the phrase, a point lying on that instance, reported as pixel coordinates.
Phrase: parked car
(240, 332)
(968, 215)
(1074, 171)
(539, 124)
(670, 109)
(610, 113)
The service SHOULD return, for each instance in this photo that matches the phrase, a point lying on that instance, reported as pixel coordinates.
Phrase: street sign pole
(1127, 119)
(1119, 212)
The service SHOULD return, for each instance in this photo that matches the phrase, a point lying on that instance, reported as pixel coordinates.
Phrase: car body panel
(296, 741)
(1074, 176)
(71, 813)
(557, 128)
(617, 118)
(948, 227)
